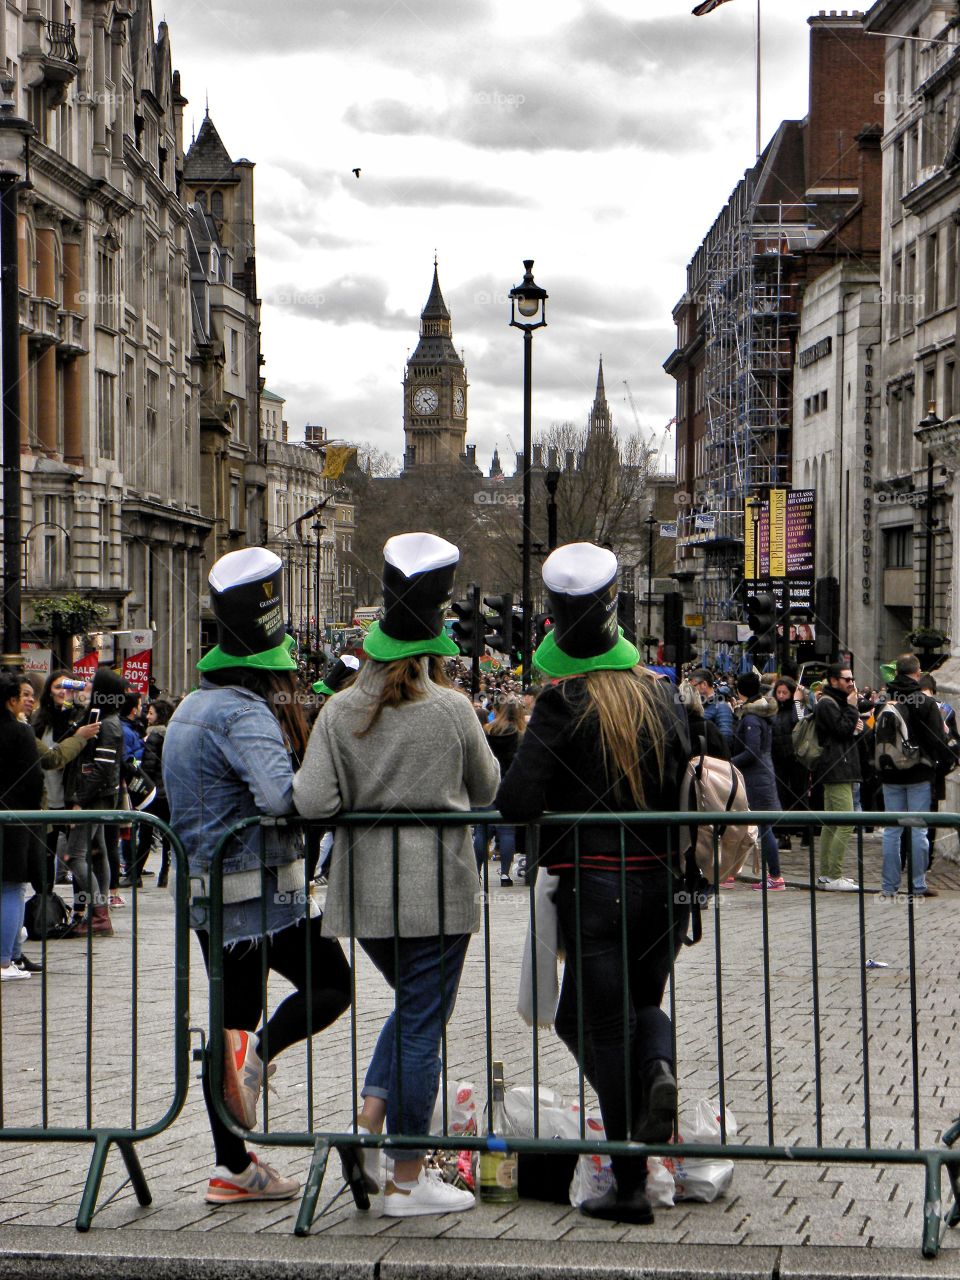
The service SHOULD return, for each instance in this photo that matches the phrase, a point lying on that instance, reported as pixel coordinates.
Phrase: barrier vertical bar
(912, 951)
(532, 854)
(815, 982)
(134, 1021)
(864, 1015)
(718, 964)
(88, 916)
(308, 962)
(264, 1045)
(398, 1031)
(625, 962)
(579, 975)
(442, 934)
(767, 1030)
(487, 994)
(351, 893)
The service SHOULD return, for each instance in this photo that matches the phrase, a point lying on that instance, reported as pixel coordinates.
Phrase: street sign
(693, 619)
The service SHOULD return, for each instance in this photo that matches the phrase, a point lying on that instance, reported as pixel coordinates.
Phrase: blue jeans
(11, 921)
(405, 1067)
(914, 797)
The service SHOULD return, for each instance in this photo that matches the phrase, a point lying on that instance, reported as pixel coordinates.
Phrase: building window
(949, 388)
(895, 308)
(930, 276)
(234, 504)
(106, 424)
(202, 200)
(898, 547)
(104, 545)
(152, 441)
(951, 233)
(234, 351)
(896, 183)
(152, 283)
(216, 204)
(106, 308)
(909, 287)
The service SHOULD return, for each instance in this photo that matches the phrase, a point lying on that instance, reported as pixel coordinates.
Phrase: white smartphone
(95, 715)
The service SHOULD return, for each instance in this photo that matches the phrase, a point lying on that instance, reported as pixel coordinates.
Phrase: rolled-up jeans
(837, 798)
(405, 1067)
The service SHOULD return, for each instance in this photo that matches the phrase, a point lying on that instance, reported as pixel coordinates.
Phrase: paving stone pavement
(772, 1205)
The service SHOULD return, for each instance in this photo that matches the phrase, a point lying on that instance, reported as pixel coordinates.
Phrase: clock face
(458, 402)
(425, 400)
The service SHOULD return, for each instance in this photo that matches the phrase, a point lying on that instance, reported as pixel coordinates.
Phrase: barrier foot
(135, 1170)
(91, 1189)
(931, 1210)
(311, 1192)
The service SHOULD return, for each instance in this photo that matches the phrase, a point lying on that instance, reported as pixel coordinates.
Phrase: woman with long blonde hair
(608, 737)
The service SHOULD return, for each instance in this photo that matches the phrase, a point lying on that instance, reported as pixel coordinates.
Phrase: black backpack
(46, 914)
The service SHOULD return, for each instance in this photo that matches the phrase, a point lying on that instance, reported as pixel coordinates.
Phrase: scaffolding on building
(751, 298)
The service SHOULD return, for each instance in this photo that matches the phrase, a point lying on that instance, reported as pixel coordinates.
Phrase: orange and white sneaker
(243, 1075)
(258, 1182)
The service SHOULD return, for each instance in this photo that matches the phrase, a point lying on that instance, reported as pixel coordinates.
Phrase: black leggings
(243, 1003)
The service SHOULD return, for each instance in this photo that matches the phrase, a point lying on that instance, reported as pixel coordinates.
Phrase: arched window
(202, 200)
(216, 204)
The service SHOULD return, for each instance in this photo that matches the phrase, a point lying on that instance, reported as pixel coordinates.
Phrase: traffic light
(469, 630)
(827, 610)
(501, 635)
(542, 623)
(627, 614)
(762, 620)
(673, 628)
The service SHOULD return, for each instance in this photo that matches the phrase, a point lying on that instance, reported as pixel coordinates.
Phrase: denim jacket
(224, 758)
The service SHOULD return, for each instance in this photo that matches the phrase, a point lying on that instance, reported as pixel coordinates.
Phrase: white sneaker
(430, 1194)
(13, 974)
(842, 885)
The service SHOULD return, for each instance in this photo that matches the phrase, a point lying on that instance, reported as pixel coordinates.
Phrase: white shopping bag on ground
(697, 1179)
(461, 1109)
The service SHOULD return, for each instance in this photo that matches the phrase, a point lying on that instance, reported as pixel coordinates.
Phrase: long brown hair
(403, 682)
(509, 717)
(624, 704)
(282, 694)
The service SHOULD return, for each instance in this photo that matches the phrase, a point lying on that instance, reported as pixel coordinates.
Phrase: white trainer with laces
(842, 885)
(429, 1194)
(12, 974)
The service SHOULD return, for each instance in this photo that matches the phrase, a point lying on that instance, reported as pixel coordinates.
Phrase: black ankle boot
(630, 1206)
(658, 1103)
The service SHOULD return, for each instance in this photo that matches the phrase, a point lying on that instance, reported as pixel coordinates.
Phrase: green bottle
(498, 1169)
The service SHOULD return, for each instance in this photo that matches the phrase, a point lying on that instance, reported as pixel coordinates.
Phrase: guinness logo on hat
(246, 594)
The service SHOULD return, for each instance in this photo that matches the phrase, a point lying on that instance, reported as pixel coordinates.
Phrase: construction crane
(654, 449)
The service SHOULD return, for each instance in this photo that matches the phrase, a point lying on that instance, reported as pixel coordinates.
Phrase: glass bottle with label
(498, 1168)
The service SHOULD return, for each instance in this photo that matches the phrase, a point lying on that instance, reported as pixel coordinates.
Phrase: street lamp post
(528, 301)
(14, 138)
(651, 523)
(552, 480)
(929, 524)
(318, 528)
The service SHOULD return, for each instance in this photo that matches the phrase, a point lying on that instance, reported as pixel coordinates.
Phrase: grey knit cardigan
(423, 756)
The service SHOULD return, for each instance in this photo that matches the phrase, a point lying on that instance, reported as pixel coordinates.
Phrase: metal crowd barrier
(788, 1139)
(73, 1067)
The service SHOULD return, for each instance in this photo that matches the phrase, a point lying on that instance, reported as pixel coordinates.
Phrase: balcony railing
(63, 43)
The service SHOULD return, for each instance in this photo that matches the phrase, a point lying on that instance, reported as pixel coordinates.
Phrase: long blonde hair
(630, 726)
(509, 717)
(404, 683)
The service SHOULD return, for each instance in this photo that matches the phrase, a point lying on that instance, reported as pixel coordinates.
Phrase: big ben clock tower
(435, 392)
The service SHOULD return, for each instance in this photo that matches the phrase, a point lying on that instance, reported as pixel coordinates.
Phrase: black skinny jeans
(243, 1004)
(606, 1031)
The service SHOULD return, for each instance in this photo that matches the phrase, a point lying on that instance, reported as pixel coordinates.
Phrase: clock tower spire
(435, 391)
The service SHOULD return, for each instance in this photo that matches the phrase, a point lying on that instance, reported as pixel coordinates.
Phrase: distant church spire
(599, 419)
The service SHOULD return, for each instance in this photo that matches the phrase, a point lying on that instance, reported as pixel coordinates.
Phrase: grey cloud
(350, 299)
(305, 25)
(409, 190)
(543, 110)
(637, 45)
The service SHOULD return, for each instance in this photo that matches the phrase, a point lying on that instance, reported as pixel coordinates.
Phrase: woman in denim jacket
(230, 753)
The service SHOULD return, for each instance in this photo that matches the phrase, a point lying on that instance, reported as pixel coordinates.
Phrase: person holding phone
(92, 781)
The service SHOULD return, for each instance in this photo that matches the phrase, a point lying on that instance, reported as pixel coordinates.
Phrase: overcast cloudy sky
(599, 137)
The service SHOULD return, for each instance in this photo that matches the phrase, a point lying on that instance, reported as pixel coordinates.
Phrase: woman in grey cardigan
(401, 739)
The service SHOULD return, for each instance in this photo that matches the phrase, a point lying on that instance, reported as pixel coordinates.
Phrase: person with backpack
(910, 746)
(838, 725)
(716, 710)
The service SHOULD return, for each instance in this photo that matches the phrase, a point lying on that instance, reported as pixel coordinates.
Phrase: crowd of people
(399, 731)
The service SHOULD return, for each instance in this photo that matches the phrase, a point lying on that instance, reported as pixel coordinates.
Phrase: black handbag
(46, 914)
(140, 787)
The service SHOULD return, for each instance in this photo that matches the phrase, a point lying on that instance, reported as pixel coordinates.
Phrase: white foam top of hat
(350, 660)
(418, 552)
(246, 565)
(579, 568)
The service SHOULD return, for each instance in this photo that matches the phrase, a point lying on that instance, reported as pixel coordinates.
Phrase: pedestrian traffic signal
(499, 627)
(469, 629)
(762, 620)
(542, 623)
(627, 614)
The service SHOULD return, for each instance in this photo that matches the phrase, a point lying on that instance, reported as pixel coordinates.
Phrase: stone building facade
(108, 398)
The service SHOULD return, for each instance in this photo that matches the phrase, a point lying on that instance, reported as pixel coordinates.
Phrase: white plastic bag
(519, 1112)
(592, 1177)
(461, 1109)
(697, 1179)
(660, 1184)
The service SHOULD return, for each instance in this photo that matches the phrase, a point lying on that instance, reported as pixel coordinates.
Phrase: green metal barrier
(58, 1039)
(321, 1139)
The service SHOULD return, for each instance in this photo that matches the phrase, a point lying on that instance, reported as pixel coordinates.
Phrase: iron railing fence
(796, 1052)
(88, 1070)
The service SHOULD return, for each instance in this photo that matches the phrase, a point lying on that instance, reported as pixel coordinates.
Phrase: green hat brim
(279, 658)
(320, 687)
(552, 660)
(383, 648)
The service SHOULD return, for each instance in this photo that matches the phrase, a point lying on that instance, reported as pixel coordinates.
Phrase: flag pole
(758, 79)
